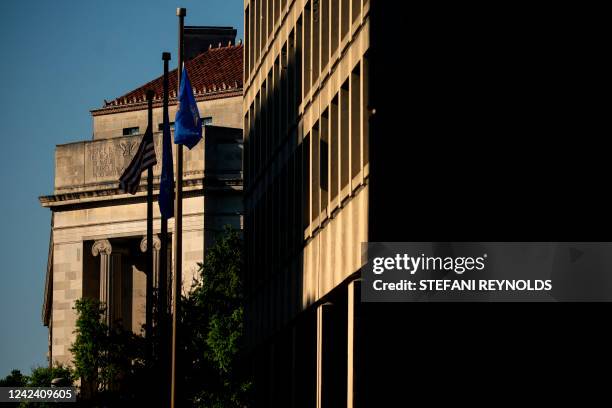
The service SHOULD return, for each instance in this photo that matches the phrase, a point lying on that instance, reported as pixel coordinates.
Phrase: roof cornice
(130, 107)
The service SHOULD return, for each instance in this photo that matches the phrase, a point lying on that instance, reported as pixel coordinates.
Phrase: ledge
(191, 188)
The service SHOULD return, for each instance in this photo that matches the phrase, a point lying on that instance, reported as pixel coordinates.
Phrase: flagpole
(162, 293)
(178, 228)
(149, 253)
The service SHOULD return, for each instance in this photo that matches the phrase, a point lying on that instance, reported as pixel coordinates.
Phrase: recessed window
(207, 121)
(160, 127)
(131, 131)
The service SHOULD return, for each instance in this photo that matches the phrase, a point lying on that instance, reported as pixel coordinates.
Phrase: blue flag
(166, 191)
(187, 125)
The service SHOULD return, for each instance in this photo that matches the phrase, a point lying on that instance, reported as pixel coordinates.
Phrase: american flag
(143, 159)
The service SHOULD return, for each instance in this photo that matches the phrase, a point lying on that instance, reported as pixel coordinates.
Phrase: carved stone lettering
(102, 157)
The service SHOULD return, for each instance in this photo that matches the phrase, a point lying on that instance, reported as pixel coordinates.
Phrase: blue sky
(59, 59)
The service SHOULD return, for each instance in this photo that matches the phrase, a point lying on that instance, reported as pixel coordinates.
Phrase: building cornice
(158, 103)
(110, 193)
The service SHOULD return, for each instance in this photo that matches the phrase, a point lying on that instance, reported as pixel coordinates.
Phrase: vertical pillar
(353, 367)
(156, 249)
(104, 249)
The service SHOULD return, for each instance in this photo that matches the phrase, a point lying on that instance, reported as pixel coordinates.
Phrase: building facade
(98, 234)
(306, 126)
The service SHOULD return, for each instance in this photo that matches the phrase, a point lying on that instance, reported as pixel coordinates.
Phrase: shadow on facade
(127, 281)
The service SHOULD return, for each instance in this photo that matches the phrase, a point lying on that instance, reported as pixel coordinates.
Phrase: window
(306, 48)
(324, 158)
(355, 96)
(277, 7)
(324, 32)
(344, 19)
(333, 148)
(344, 135)
(129, 131)
(356, 9)
(257, 14)
(315, 170)
(364, 113)
(160, 127)
(316, 20)
(205, 121)
(305, 152)
(335, 25)
(298, 62)
(264, 22)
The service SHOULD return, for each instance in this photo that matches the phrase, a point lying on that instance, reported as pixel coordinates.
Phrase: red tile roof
(214, 73)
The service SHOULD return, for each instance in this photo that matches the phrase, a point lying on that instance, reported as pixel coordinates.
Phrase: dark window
(324, 159)
(264, 22)
(344, 134)
(316, 20)
(355, 95)
(160, 126)
(205, 121)
(315, 170)
(131, 131)
(324, 33)
(333, 148)
(356, 9)
(307, 50)
(344, 18)
(335, 24)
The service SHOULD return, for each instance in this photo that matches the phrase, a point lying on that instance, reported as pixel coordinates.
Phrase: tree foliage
(40, 377)
(109, 362)
(88, 348)
(14, 379)
(212, 328)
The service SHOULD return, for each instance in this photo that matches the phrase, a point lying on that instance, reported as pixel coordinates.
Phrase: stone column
(156, 248)
(104, 249)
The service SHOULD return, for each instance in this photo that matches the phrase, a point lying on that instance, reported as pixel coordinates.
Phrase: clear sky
(58, 60)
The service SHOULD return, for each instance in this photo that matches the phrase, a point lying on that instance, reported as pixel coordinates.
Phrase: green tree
(109, 362)
(212, 328)
(88, 349)
(210, 342)
(42, 376)
(14, 379)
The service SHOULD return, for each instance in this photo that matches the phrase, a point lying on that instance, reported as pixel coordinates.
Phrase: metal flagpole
(162, 292)
(178, 228)
(149, 253)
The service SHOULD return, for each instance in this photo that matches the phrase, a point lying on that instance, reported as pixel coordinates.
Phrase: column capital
(102, 246)
(156, 243)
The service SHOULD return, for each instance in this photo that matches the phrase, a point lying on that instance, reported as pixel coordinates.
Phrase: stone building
(97, 231)
(307, 177)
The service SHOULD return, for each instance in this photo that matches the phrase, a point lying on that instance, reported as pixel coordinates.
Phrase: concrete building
(307, 177)
(97, 232)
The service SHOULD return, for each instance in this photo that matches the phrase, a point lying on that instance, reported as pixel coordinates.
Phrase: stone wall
(67, 287)
(223, 111)
(73, 228)
(88, 208)
(85, 166)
